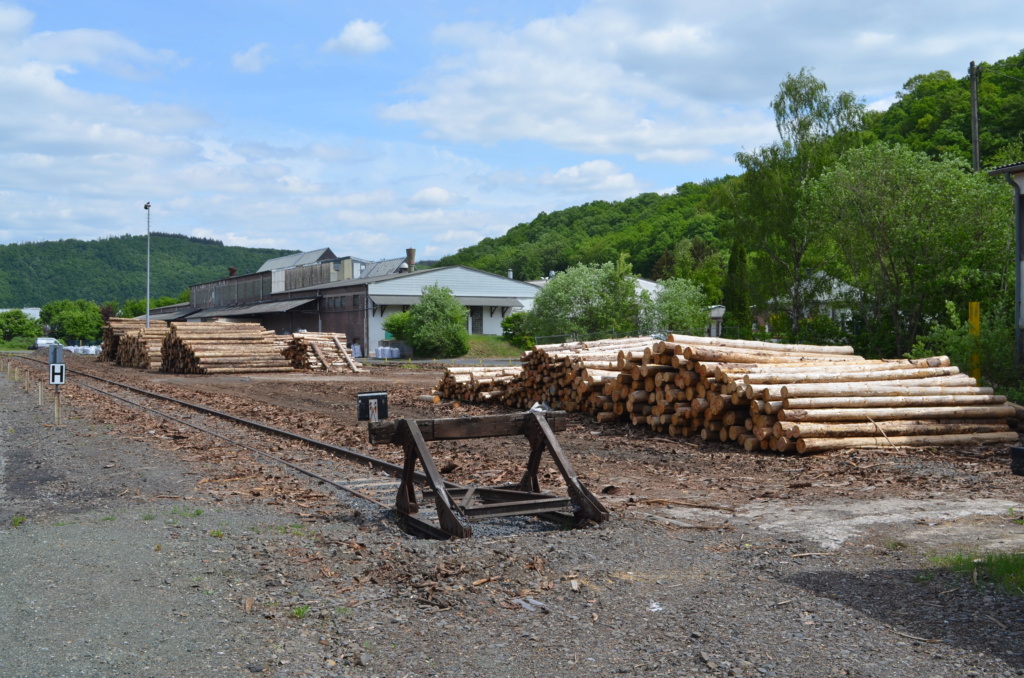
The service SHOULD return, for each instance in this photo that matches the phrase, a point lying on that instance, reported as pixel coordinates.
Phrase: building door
(476, 319)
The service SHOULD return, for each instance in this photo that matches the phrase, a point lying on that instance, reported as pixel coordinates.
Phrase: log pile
(566, 375)
(760, 395)
(319, 351)
(477, 384)
(142, 349)
(221, 348)
(117, 328)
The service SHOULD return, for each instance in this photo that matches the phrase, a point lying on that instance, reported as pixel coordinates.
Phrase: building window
(342, 300)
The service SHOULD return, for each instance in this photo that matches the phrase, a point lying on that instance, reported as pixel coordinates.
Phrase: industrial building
(321, 292)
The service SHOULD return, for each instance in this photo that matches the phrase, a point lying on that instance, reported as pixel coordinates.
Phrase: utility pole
(146, 207)
(975, 73)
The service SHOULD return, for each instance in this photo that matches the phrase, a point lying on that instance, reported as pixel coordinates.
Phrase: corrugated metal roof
(410, 299)
(173, 315)
(293, 260)
(1012, 168)
(253, 309)
(378, 268)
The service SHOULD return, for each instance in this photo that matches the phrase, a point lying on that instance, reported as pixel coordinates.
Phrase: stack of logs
(476, 384)
(762, 395)
(114, 330)
(319, 351)
(142, 348)
(221, 348)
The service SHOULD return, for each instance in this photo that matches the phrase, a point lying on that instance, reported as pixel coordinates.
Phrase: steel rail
(413, 524)
(394, 470)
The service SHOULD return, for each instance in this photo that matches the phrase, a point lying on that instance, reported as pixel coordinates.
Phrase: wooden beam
(383, 432)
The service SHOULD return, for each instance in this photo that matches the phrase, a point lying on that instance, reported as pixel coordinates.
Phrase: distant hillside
(114, 269)
(647, 228)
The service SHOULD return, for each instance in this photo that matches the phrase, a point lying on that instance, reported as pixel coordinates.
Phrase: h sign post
(57, 367)
(57, 372)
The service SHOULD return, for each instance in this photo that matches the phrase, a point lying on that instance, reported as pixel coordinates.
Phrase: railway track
(376, 489)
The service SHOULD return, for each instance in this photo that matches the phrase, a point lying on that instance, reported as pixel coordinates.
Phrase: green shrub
(513, 329)
(435, 327)
(994, 346)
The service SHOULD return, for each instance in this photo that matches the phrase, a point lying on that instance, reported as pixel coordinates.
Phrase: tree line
(114, 269)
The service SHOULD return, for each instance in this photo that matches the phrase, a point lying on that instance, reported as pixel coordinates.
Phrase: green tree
(71, 321)
(586, 300)
(15, 323)
(913, 233)
(681, 306)
(736, 295)
(815, 127)
(436, 327)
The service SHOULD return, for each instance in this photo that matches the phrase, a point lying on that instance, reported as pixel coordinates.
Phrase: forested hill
(654, 230)
(114, 269)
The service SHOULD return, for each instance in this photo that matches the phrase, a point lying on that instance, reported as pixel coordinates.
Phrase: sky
(370, 127)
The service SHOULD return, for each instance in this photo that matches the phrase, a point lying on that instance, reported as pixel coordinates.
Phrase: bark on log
(810, 445)
(895, 413)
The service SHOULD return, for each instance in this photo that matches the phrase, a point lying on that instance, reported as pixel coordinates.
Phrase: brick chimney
(232, 271)
(410, 258)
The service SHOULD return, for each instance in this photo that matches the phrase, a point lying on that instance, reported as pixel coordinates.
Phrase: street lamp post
(146, 207)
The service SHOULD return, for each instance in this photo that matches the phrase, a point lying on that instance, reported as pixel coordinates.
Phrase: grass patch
(481, 346)
(186, 513)
(217, 533)
(17, 521)
(1004, 570)
(300, 612)
(148, 516)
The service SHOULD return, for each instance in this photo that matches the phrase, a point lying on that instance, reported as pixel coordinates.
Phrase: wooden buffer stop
(456, 504)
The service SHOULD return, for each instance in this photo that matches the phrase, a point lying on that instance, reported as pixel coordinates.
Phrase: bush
(399, 325)
(994, 346)
(513, 329)
(435, 327)
(680, 306)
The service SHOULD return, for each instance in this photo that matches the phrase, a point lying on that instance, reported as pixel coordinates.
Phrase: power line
(989, 69)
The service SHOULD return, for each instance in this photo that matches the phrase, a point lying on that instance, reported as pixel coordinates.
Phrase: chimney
(510, 274)
(410, 258)
(232, 271)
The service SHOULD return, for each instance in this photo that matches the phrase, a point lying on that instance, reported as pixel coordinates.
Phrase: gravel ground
(116, 560)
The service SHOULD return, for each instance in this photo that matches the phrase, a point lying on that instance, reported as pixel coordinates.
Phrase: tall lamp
(146, 207)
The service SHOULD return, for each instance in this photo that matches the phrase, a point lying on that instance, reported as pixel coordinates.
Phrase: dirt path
(147, 549)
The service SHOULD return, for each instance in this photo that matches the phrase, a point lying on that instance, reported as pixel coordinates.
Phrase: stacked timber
(142, 349)
(566, 376)
(221, 348)
(115, 328)
(881, 404)
(477, 384)
(760, 395)
(319, 351)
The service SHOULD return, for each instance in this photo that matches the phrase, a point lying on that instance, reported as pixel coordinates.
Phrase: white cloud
(672, 81)
(14, 20)
(253, 60)
(593, 175)
(433, 196)
(358, 37)
(881, 104)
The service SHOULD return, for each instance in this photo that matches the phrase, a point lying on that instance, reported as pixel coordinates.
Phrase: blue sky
(370, 127)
